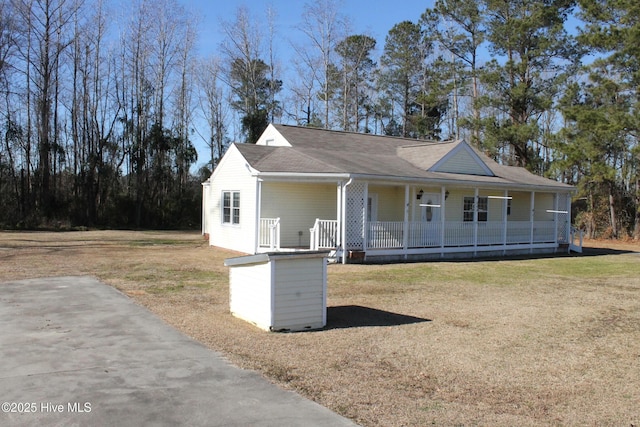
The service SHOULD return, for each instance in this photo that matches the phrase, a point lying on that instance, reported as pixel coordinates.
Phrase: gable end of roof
(462, 159)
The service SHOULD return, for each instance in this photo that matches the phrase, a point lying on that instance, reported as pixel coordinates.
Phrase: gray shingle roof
(324, 151)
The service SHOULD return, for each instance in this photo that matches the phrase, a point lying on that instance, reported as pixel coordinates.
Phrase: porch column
(505, 206)
(338, 215)
(475, 222)
(443, 223)
(531, 219)
(568, 218)
(365, 217)
(343, 216)
(258, 212)
(405, 234)
(206, 187)
(556, 208)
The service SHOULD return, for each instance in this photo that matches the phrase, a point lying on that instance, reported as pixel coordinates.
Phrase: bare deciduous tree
(46, 26)
(214, 106)
(253, 82)
(324, 27)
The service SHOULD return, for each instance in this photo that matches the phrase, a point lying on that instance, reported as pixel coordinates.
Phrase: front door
(430, 208)
(429, 227)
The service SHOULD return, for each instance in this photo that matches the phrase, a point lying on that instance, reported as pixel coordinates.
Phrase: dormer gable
(273, 138)
(462, 159)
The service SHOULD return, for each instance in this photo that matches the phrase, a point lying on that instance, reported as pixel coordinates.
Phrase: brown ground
(514, 342)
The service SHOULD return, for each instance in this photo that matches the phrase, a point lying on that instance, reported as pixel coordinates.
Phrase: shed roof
(320, 151)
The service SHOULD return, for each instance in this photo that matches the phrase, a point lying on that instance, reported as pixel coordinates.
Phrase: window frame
(230, 212)
(469, 208)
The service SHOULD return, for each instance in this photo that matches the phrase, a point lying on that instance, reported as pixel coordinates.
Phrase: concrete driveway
(74, 351)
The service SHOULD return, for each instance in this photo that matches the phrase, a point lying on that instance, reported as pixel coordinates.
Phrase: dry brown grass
(518, 342)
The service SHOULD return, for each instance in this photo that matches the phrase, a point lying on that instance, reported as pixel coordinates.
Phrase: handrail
(313, 236)
(572, 246)
(323, 234)
(270, 233)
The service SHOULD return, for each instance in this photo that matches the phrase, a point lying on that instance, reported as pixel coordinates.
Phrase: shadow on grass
(594, 251)
(355, 316)
(587, 251)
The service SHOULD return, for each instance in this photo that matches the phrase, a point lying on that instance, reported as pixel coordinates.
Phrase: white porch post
(568, 217)
(531, 219)
(505, 207)
(443, 222)
(556, 204)
(475, 222)
(206, 186)
(365, 217)
(405, 234)
(343, 213)
(258, 212)
(338, 214)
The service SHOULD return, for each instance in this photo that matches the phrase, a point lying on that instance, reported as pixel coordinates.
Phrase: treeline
(96, 113)
(101, 105)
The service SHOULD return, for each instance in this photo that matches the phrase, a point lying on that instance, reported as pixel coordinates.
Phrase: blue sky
(372, 17)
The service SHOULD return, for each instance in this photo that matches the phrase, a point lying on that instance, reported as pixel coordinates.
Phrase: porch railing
(269, 233)
(385, 234)
(575, 240)
(390, 234)
(458, 233)
(323, 234)
(424, 234)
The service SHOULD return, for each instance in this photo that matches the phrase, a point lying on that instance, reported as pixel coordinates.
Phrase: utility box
(283, 291)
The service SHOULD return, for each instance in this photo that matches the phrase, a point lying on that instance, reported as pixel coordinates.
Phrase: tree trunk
(612, 213)
(636, 224)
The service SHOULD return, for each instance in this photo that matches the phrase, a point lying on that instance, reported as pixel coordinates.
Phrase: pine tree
(613, 31)
(532, 52)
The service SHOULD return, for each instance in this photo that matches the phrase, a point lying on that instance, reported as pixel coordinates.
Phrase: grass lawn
(547, 341)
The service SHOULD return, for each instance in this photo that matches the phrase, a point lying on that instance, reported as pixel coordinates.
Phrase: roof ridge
(344, 132)
(432, 143)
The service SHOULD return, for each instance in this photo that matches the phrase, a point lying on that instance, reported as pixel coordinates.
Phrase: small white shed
(279, 291)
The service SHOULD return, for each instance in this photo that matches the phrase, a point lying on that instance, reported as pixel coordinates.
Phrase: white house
(378, 198)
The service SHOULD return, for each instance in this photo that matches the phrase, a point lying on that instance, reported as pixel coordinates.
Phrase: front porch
(418, 240)
(411, 222)
(391, 235)
(408, 240)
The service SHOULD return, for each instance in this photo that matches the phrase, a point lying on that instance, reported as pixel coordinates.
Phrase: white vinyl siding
(390, 202)
(232, 176)
(298, 205)
(463, 162)
(544, 202)
(279, 292)
(520, 206)
(298, 294)
(272, 137)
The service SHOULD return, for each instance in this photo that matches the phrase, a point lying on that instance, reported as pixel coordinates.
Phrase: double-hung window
(482, 208)
(231, 207)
